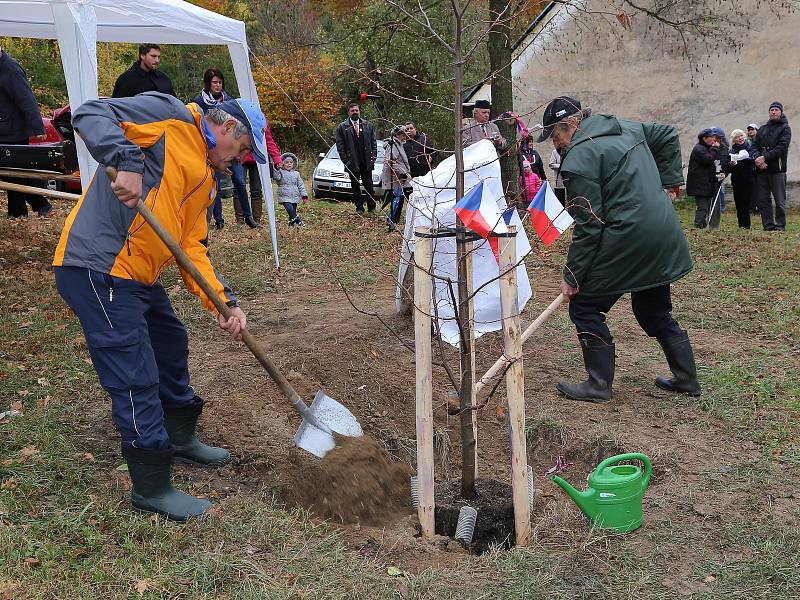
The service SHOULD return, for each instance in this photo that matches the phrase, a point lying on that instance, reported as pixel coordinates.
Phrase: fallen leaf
(142, 585)
(23, 393)
(88, 457)
(27, 452)
(31, 562)
(402, 589)
(43, 381)
(500, 410)
(16, 405)
(684, 587)
(88, 361)
(709, 579)
(394, 571)
(44, 402)
(79, 552)
(9, 589)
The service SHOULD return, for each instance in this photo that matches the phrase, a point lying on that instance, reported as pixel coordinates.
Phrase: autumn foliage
(297, 95)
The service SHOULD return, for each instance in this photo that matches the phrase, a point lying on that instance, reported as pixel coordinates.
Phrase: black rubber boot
(181, 425)
(680, 358)
(152, 490)
(598, 358)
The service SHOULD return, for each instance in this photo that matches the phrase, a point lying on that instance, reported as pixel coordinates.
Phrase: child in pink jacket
(529, 182)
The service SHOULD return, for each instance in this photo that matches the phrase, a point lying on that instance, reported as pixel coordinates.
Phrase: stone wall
(638, 75)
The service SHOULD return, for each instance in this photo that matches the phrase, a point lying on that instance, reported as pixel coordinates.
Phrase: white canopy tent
(79, 24)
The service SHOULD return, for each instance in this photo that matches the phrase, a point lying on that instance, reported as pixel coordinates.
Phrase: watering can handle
(612, 460)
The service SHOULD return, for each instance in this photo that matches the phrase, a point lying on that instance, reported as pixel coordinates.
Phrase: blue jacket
(19, 113)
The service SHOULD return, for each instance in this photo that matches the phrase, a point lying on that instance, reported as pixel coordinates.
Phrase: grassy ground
(66, 530)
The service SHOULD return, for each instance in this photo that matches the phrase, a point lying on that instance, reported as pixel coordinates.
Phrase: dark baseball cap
(252, 118)
(557, 111)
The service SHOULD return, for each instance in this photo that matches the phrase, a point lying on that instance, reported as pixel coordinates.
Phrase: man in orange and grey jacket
(108, 263)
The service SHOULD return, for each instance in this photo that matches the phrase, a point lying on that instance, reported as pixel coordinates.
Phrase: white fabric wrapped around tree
(431, 205)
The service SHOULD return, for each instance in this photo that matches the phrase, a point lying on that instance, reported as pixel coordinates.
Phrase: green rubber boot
(181, 425)
(680, 357)
(152, 490)
(599, 360)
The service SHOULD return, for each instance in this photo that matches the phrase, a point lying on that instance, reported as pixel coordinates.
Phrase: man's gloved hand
(235, 325)
(128, 187)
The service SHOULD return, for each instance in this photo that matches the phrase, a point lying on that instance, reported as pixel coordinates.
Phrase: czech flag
(481, 215)
(548, 217)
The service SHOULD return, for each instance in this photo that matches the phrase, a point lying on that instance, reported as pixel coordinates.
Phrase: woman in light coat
(396, 176)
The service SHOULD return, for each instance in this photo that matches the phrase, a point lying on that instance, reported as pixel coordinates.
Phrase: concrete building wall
(637, 75)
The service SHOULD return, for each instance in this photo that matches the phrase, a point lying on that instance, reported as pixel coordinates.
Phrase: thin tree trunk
(502, 90)
(462, 250)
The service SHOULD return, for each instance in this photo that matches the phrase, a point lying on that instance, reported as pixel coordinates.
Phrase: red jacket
(272, 149)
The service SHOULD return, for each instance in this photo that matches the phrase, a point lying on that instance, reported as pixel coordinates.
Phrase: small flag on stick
(548, 217)
(481, 215)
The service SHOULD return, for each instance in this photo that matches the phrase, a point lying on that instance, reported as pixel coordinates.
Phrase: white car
(330, 179)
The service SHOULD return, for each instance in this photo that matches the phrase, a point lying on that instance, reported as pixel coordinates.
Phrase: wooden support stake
(15, 187)
(515, 387)
(503, 362)
(422, 345)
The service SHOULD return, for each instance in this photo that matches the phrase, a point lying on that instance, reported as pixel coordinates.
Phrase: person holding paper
(742, 176)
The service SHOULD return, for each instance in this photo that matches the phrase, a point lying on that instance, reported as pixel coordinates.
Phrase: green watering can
(613, 499)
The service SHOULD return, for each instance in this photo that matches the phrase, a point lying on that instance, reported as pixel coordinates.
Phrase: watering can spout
(582, 499)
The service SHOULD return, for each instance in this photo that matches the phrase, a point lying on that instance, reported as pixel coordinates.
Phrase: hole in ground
(494, 526)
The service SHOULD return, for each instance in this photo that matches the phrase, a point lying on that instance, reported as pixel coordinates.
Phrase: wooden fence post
(423, 267)
(515, 386)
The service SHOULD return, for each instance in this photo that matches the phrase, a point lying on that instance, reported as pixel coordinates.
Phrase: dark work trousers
(743, 196)
(652, 309)
(18, 201)
(774, 184)
(366, 178)
(138, 346)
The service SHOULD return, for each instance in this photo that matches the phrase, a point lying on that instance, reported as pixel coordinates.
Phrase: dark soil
(356, 482)
(494, 526)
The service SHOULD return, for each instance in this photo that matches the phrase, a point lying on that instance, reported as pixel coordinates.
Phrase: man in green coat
(619, 176)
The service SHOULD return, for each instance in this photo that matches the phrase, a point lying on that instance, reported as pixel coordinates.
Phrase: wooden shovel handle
(187, 265)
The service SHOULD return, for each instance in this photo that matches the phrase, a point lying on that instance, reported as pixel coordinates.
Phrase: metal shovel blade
(329, 413)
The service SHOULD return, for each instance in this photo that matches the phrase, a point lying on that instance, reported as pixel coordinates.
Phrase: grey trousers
(774, 184)
(701, 217)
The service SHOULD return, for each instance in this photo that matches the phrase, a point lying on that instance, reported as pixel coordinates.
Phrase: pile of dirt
(356, 482)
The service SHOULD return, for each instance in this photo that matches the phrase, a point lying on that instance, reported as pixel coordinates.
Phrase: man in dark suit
(143, 75)
(355, 142)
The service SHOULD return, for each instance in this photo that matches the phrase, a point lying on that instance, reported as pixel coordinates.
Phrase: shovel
(325, 415)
